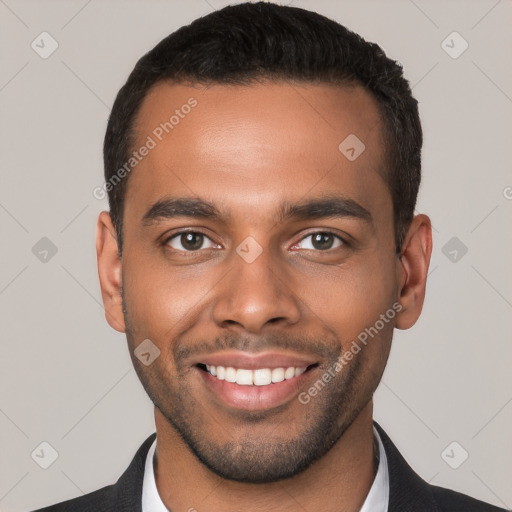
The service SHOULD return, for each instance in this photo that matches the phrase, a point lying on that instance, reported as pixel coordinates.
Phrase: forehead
(258, 145)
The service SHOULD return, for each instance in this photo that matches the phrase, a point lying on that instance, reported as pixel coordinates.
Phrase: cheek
(348, 298)
(163, 301)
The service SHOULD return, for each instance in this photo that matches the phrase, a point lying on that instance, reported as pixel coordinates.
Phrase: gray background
(66, 377)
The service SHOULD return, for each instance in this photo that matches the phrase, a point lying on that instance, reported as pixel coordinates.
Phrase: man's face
(251, 288)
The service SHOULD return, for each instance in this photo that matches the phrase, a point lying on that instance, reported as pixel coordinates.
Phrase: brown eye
(189, 241)
(321, 241)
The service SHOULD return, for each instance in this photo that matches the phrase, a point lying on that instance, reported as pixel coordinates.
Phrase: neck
(339, 481)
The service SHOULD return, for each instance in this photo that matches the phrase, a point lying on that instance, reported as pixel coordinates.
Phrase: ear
(412, 270)
(109, 270)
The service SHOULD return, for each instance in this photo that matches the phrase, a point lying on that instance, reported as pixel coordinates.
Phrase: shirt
(376, 500)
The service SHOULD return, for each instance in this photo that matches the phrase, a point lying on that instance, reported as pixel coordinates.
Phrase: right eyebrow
(180, 207)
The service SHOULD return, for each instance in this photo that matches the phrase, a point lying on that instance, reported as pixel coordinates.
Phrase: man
(262, 166)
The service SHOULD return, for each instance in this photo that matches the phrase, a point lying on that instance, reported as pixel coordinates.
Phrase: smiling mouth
(256, 377)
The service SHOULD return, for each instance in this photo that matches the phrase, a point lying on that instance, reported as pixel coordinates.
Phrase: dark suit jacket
(408, 492)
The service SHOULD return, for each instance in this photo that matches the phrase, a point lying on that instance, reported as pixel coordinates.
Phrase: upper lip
(253, 361)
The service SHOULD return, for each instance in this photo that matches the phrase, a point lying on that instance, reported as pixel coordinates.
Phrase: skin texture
(248, 150)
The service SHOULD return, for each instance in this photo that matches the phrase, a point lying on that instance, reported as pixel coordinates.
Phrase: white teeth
(289, 373)
(221, 372)
(259, 377)
(230, 374)
(244, 377)
(277, 374)
(262, 377)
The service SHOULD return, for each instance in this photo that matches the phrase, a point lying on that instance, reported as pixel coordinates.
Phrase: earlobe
(412, 271)
(109, 271)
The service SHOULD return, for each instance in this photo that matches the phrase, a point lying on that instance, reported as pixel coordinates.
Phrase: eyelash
(343, 241)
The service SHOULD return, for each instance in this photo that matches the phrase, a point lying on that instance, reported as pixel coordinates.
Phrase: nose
(255, 294)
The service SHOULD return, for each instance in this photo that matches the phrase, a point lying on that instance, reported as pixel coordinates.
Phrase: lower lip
(255, 398)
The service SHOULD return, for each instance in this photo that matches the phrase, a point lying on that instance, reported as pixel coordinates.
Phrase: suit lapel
(407, 491)
(128, 489)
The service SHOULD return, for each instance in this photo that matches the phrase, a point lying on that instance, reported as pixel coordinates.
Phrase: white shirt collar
(151, 501)
(376, 500)
(378, 497)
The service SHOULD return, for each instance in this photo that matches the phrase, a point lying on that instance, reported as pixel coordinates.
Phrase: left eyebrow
(324, 208)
